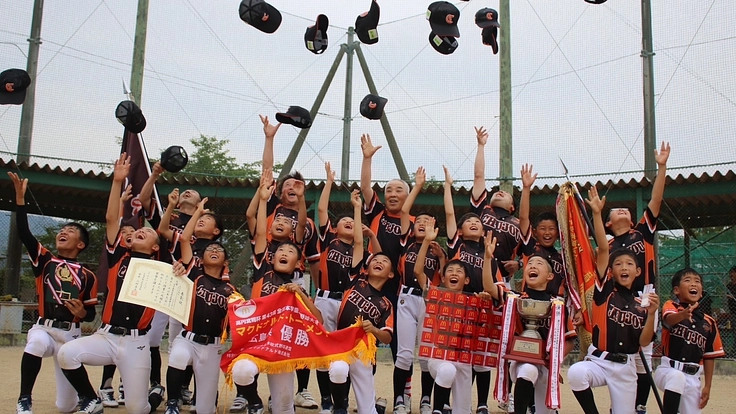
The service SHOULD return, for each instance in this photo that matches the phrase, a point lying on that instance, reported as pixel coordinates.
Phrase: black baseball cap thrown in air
(315, 38)
(486, 17)
(372, 106)
(443, 44)
(295, 115)
(490, 38)
(260, 15)
(131, 116)
(367, 23)
(20, 80)
(443, 17)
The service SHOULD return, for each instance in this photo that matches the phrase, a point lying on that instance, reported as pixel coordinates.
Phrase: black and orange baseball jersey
(198, 245)
(505, 228)
(209, 303)
(640, 240)
(387, 228)
(530, 247)
(362, 299)
(690, 340)
(115, 312)
(408, 260)
(472, 253)
(267, 280)
(310, 243)
(618, 320)
(58, 279)
(335, 262)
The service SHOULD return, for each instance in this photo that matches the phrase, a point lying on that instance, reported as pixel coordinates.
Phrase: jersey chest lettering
(335, 256)
(429, 262)
(557, 267)
(624, 317)
(365, 306)
(501, 226)
(471, 259)
(212, 297)
(689, 335)
(389, 227)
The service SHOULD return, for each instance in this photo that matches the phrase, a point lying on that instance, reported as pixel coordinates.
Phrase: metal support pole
(139, 52)
(505, 137)
(12, 265)
(347, 113)
(390, 139)
(289, 163)
(647, 54)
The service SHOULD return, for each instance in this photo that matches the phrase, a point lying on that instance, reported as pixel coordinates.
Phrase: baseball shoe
(399, 409)
(270, 406)
(325, 405)
(239, 404)
(121, 395)
(641, 409)
(156, 396)
(172, 407)
(93, 406)
(425, 407)
(381, 404)
(24, 405)
(107, 395)
(255, 409)
(304, 399)
(186, 396)
(341, 411)
(446, 409)
(407, 403)
(482, 409)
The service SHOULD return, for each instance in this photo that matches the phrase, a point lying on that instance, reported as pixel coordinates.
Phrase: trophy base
(529, 350)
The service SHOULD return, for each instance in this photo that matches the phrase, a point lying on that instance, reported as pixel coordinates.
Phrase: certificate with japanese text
(152, 284)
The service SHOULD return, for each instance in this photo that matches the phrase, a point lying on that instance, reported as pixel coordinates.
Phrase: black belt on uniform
(690, 369)
(119, 330)
(609, 356)
(53, 323)
(329, 294)
(200, 339)
(411, 291)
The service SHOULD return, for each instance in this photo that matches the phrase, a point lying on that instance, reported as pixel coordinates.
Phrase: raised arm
(112, 217)
(479, 168)
(301, 217)
(365, 168)
(188, 232)
(146, 195)
(430, 234)
(323, 214)
(252, 212)
(451, 223)
(164, 228)
(358, 245)
(596, 206)
(489, 284)
(299, 291)
(647, 334)
(21, 217)
(655, 203)
(419, 179)
(270, 133)
(527, 181)
(264, 192)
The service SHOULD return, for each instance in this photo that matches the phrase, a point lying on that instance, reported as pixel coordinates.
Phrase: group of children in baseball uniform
(384, 282)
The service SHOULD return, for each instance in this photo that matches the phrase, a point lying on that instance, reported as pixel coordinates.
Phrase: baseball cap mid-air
(260, 15)
(372, 106)
(174, 158)
(486, 17)
(490, 37)
(315, 38)
(295, 115)
(443, 17)
(131, 116)
(443, 44)
(366, 24)
(13, 84)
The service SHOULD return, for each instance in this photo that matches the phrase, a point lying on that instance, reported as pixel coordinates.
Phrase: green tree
(212, 157)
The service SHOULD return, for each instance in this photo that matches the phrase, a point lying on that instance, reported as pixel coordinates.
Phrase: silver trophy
(532, 311)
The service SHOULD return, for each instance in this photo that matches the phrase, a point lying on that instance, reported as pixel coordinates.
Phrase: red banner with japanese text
(279, 334)
(460, 328)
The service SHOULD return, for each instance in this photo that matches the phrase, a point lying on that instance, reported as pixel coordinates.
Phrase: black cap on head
(372, 106)
(595, 1)
(20, 81)
(174, 158)
(295, 115)
(490, 38)
(443, 17)
(260, 15)
(366, 24)
(486, 17)
(315, 38)
(443, 44)
(131, 116)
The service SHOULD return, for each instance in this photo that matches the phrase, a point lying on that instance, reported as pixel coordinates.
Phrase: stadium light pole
(647, 54)
(505, 162)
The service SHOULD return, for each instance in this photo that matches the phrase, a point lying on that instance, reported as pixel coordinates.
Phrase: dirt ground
(44, 392)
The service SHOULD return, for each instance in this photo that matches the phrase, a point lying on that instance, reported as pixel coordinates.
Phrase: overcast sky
(576, 72)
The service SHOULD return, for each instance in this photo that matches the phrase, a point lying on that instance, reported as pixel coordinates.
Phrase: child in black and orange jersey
(121, 339)
(640, 239)
(67, 295)
(336, 256)
(620, 326)
(362, 299)
(199, 342)
(690, 344)
(269, 277)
